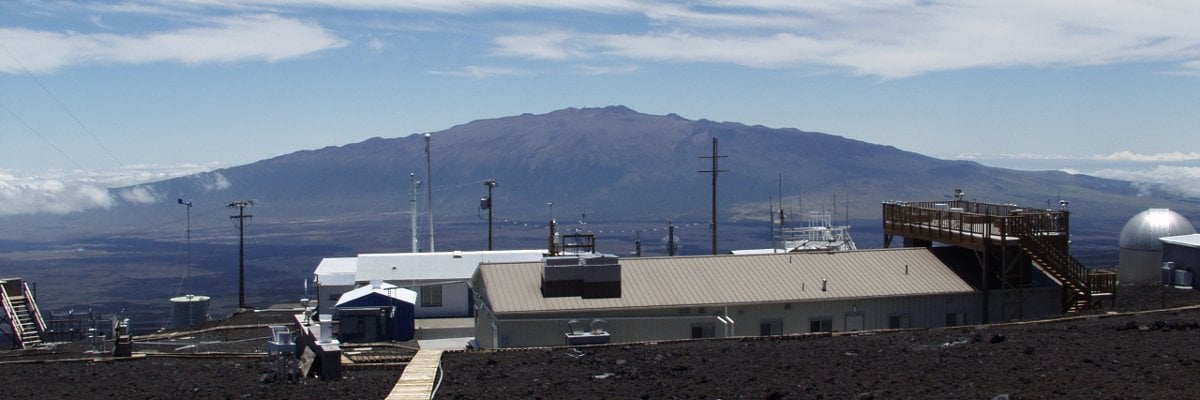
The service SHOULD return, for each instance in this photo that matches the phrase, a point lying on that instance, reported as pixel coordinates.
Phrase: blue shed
(376, 312)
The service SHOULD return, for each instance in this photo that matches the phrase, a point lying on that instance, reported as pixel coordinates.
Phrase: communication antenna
(429, 187)
(412, 203)
(241, 218)
(714, 171)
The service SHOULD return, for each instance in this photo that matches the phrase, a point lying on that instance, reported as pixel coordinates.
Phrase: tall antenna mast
(429, 187)
(714, 171)
(241, 225)
(189, 245)
(412, 204)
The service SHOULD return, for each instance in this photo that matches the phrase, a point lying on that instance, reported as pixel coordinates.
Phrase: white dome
(1144, 229)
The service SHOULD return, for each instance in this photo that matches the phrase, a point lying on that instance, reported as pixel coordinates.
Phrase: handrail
(33, 308)
(12, 317)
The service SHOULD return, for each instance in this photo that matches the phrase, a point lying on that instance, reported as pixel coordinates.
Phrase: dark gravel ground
(1095, 356)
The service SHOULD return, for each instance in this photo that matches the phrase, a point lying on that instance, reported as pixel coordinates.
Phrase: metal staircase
(23, 314)
(1080, 284)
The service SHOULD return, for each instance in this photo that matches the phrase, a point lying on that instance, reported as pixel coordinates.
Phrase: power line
(62, 106)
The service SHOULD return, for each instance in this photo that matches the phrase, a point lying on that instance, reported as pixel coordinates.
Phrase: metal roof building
(732, 295)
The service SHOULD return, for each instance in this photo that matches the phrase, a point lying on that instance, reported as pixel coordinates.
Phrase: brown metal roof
(734, 279)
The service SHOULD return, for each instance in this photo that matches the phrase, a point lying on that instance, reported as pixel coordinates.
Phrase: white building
(665, 298)
(440, 279)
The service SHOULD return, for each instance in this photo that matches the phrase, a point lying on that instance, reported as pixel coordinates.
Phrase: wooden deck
(419, 377)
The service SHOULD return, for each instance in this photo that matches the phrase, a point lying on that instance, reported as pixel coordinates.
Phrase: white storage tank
(189, 310)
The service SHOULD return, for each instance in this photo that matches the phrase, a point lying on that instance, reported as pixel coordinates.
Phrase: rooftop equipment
(590, 276)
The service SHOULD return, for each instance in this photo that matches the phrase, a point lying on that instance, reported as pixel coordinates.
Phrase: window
(771, 327)
(703, 330)
(955, 319)
(900, 321)
(824, 324)
(787, 306)
(431, 296)
(334, 296)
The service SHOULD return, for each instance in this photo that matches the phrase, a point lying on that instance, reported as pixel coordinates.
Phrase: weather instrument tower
(241, 218)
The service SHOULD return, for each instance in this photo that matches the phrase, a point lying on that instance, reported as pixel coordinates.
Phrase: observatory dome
(1144, 229)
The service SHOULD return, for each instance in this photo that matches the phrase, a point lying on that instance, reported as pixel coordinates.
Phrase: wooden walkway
(419, 377)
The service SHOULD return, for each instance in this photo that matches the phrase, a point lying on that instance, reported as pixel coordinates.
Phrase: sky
(104, 94)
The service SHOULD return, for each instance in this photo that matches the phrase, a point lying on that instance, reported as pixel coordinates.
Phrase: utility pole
(487, 203)
(429, 187)
(241, 225)
(714, 171)
(412, 204)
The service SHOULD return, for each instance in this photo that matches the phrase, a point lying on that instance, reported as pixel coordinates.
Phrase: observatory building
(440, 279)
(603, 299)
(1140, 248)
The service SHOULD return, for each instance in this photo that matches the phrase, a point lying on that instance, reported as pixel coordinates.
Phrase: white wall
(548, 329)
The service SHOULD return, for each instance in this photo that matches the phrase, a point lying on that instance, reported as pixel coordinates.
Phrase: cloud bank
(63, 192)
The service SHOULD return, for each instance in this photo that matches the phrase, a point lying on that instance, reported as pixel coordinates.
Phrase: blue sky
(108, 93)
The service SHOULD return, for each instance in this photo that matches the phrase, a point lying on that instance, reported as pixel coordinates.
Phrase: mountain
(616, 164)
(626, 171)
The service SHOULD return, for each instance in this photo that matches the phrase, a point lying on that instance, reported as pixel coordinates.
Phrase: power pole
(429, 187)
(487, 203)
(241, 225)
(714, 171)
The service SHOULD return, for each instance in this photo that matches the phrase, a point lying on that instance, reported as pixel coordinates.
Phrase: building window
(772, 327)
(955, 319)
(900, 321)
(823, 324)
(334, 297)
(787, 306)
(685, 311)
(701, 310)
(431, 296)
(703, 330)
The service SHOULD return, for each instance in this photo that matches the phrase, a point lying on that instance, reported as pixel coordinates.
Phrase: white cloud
(1157, 157)
(1173, 179)
(62, 192)
(887, 39)
(140, 194)
(228, 39)
(211, 181)
(891, 40)
(481, 72)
